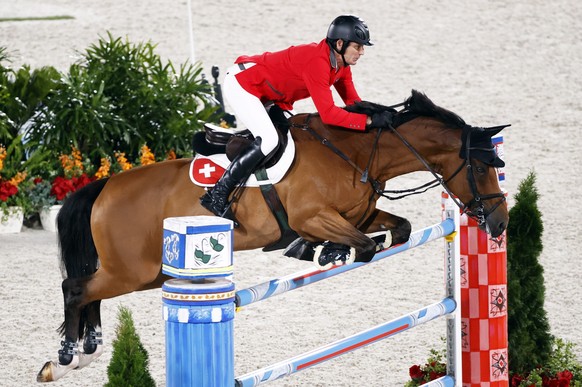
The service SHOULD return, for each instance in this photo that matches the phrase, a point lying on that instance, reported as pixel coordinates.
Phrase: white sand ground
(493, 62)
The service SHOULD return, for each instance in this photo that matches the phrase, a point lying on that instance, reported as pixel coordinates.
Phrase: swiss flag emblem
(206, 171)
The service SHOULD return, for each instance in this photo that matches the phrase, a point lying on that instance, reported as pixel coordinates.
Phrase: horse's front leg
(343, 243)
(395, 228)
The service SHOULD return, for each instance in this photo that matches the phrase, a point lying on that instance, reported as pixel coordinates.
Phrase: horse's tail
(78, 253)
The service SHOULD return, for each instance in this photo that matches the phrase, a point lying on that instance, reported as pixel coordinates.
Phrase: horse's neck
(433, 141)
(429, 137)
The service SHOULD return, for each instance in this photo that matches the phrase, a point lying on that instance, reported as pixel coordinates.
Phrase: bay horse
(110, 231)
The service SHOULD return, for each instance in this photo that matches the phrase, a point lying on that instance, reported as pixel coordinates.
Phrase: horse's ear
(492, 131)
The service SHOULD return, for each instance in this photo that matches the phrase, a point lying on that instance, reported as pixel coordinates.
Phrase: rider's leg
(250, 111)
(239, 170)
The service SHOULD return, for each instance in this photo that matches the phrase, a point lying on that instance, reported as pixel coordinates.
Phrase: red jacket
(299, 72)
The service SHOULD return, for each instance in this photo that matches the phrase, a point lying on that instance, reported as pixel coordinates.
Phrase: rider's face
(353, 52)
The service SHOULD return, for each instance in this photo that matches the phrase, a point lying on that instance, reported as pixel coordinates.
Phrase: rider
(287, 76)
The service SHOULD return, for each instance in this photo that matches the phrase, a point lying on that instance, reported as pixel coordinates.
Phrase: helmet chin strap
(342, 52)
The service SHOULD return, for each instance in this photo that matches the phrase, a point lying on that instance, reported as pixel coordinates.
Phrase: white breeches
(249, 110)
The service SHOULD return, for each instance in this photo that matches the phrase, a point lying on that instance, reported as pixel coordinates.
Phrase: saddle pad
(206, 170)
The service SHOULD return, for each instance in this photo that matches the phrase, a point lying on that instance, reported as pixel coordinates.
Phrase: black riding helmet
(348, 28)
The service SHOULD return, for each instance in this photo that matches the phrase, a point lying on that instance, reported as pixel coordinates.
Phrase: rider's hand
(381, 120)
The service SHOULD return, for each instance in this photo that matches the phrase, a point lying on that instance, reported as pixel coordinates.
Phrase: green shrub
(129, 363)
(120, 96)
(530, 341)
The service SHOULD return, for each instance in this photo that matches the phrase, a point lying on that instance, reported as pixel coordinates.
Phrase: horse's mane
(418, 104)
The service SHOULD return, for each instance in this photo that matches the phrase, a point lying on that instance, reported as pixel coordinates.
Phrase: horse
(110, 231)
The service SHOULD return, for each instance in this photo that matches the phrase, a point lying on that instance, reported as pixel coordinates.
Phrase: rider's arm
(316, 77)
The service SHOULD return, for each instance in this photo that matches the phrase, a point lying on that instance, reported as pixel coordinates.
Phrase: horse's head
(475, 180)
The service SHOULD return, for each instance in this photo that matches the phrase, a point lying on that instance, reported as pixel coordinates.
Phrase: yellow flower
(147, 157)
(122, 160)
(103, 170)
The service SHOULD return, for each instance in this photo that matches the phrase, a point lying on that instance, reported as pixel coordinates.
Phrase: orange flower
(2, 156)
(103, 170)
(122, 160)
(72, 164)
(18, 178)
(147, 157)
(77, 160)
(171, 155)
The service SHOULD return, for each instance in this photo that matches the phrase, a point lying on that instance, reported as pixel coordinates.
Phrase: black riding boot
(216, 199)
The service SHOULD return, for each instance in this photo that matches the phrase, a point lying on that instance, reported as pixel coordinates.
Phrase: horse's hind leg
(397, 229)
(72, 329)
(92, 342)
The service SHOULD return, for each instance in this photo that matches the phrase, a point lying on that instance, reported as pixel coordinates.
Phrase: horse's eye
(480, 170)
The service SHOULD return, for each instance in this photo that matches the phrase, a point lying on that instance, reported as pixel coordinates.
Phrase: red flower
(516, 380)
(415, 372)
(6, 190)
(81, 181)
(566, 374)
(62, 187)
(37, 180)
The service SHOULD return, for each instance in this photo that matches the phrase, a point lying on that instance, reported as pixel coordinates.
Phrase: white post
(453, 290)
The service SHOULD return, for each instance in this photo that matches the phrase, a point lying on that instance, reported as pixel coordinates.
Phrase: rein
(480, 216)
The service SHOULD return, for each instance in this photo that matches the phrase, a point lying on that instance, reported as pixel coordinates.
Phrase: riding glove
(381, 120)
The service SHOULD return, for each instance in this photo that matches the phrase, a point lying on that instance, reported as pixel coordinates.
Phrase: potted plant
(13, 200)
(46, 195)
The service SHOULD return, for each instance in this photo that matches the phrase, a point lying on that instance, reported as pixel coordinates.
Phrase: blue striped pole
(340, 347)
(445, 381)
(199, 318)
(297, 280)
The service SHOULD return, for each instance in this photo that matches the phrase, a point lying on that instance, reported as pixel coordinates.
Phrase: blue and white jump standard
(212, 334)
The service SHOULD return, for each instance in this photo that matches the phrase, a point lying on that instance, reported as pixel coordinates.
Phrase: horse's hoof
(52, 371)
(330, 254)
(300, 249)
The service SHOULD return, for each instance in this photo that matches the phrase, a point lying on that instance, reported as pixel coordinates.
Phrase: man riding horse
(283, 78)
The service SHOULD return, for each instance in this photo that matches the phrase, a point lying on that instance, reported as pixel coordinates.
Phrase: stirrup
(329, 254)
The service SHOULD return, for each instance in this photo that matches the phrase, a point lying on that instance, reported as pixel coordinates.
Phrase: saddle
(231, 141)
(216, 147)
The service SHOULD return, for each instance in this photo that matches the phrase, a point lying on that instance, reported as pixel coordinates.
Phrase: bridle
(477, 202)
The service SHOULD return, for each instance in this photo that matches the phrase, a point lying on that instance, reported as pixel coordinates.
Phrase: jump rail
(349, 344)
(306, 277)
(449, 306)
